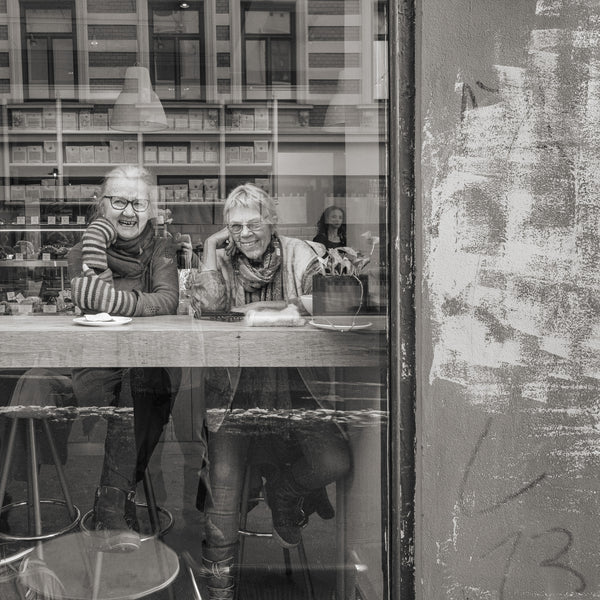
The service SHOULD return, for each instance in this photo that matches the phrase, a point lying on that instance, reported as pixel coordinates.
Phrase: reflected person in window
(123, 268)
(246, 262)
(331, 228)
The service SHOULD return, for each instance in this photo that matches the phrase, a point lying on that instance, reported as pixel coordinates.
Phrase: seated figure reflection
(331, 228)
(246, 262)
(121, 267)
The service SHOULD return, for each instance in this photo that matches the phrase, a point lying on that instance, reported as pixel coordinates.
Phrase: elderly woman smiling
(121, 267)
(245, 262)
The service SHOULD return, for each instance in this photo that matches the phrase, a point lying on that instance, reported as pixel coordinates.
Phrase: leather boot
(285, 499)
(218, 567)
(317, 501)
(114, 521)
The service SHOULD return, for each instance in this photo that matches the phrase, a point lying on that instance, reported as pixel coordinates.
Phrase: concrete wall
(508, 410)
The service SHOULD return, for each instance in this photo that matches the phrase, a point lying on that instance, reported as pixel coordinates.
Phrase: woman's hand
(220, 239)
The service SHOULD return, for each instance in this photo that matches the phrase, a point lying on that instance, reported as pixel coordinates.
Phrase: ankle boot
(218, 566)
(285, 499)
(113, 519)
(318, 501)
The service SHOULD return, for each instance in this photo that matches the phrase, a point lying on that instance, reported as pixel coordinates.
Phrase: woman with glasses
(123, 268)
(246, 262)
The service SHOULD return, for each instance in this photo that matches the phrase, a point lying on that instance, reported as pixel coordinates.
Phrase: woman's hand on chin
(220, 239)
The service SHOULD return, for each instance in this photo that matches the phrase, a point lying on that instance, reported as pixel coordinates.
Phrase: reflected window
(269, 50)
(49, 63)
(177, 56)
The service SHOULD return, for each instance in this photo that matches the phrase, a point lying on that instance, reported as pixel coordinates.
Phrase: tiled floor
(175, 481)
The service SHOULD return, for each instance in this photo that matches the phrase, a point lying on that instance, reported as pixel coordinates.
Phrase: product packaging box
(48, 189)
(170, 120)
(87, 190)
(211, 190)
(234, 119)
(196, 190)
(49, 151)
(72, 154)
(87, 154)
(182, 120)
(73, 192)
(180, 154)
(85, 119)
(49, 118)
(150, 154)
(180, 192)
(247, 154)
(33, 192)
(100, 120)
(261, 118)
(115, 151)
(33, 119)
(19, 154)
(17, 119)
(196, 119)
(211, 152)
(211, 119)
(165, 154)
(35, 153)
(17, 192)
(69, 120)
(101, 154)
(130, 151)
(247, 121)
(232, 154)
(197, 152)
(261, 151)
(168, 193)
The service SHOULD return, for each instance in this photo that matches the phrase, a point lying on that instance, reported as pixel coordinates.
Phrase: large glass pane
(48, 20)
(64, 70)
(281, 62)
(165, 61)
(175, 21)
(272, 21)
(37, 67)
(256, 63)
(189, 54)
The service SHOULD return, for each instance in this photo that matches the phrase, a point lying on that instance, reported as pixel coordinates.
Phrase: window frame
(289, 7)
(24, 5)
(200, 37)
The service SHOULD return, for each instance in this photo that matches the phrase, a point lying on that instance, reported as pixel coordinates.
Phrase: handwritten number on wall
(516, 540)
(469, 98)
(464, 507)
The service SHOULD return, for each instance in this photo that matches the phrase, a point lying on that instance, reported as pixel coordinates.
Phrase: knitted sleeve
(94, 241)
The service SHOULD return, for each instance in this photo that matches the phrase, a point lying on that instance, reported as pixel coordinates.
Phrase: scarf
(130, 258)
(257, 275)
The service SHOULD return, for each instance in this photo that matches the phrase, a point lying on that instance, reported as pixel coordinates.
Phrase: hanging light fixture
(138, 108)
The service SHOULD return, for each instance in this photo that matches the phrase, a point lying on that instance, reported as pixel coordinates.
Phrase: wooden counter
(56, 341)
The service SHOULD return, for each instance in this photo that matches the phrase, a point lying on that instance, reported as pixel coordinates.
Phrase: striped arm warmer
(95, 240)
(91, 293)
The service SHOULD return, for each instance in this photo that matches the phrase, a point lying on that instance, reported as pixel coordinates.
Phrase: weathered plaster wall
(509, 409)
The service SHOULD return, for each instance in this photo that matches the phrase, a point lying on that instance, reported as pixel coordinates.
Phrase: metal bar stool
(34, 502)
(245, 533)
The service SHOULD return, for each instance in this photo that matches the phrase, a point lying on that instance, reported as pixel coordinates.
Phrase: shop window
(269, 52)
(177, 57)
(49, 60)
(380, 52)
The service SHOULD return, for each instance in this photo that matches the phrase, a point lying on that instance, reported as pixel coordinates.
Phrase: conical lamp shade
(138, 108)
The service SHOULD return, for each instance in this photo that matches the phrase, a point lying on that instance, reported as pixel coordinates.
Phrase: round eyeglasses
(236, 228)
(119, 203)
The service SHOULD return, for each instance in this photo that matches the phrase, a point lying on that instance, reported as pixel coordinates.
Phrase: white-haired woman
(245, 262)
(123, 268)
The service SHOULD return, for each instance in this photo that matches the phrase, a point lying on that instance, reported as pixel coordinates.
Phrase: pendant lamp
(138, 108)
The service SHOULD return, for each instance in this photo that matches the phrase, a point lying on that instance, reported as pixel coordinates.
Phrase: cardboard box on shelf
(196, 190)
(180, 154)
(182, 120)
(197, 152)
(150, 154)
(196, 119)
(180, 192)
(17, 119)
(85, 119)
(19, 153)
(165, 154)
(35, 153)
(232, 154)
(101, 154)
(49, 151)
(211, 152)
(233, 119)
(88, 190)
(33, 192)
(168, 193)
(87, 154)
(211, 190)
(130, 151)
(100, 120)
(170, 120)
(115, 151)
(48, 192)
(17, 192)
(33, 119)
(73, 192)
(247, 121)
(247, 154)
(49, 117)
(51, 219)
(261, 118)
(261, 151)
(72, 154)
(69, 120)
(211, 119)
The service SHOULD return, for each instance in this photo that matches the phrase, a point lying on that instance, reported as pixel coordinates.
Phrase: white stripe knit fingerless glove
(99, 235)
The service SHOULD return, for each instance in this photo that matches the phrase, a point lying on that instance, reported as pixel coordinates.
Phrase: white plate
(333, 327)
(115, 321)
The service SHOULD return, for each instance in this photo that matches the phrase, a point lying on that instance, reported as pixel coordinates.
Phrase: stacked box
(165, 154)
(182, 120)
(33, 120)
(130, 151)
(261, 151)
(196, 119)
(196, 190)
(69, 120)
(150, 154)
(246, 155)
(85, 119)
(197, 152)
(72, 154)
(19, 154)
(49, 117)
(211, 152)
(17, 119)
(211, 119)
(101, 154)
(100, 120)
(168, 193)
(211, 190)
(180, 192)
(88, 190)
(73, 192)
(33, 192)
(232, 154)
(180, 154)
(35, 153)
(170, 120)
(115, 151)
(17, 192)
(50, 155)
(261, 118)
(247, 121)
(86, 154)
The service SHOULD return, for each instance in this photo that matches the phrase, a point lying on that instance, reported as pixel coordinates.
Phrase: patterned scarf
(130, 258)
(257, 275)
